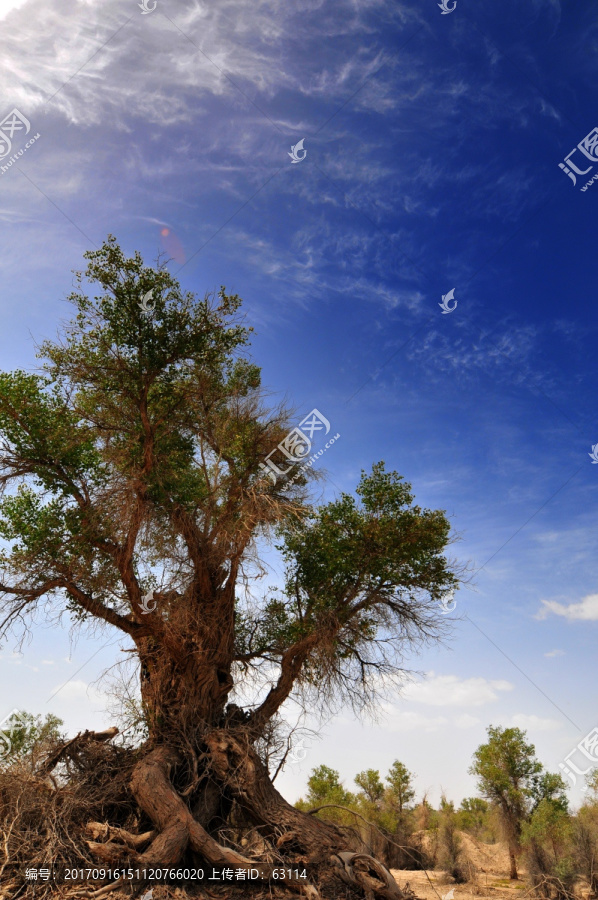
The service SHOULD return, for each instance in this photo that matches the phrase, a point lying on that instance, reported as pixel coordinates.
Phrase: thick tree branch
(290, 668)
(97, 609)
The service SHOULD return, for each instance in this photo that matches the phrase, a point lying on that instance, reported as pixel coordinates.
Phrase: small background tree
(506, 767)
(325, 789)
(24, 737)
(477, 817)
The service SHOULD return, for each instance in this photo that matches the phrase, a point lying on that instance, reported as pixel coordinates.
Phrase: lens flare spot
(172, 245)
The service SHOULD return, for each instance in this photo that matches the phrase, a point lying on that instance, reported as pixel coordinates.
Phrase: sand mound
(490, 858)
(490, 863)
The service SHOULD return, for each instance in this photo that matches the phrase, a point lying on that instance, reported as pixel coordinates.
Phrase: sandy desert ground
(491, 863)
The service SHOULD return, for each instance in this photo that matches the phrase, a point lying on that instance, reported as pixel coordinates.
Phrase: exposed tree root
(363, 871)
(239, 766)
(176, 827)
(134, 841)
(111, 807)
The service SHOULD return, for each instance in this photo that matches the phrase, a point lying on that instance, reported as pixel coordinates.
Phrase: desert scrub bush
(547, 839)
(451, 855)
(585, 844)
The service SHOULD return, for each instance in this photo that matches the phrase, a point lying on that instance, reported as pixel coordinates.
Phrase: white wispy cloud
(15, 657)
(450, 690)
(585, 610)
(204, 49)
(7, 6)
(408, 720)
(78, 690)
(505, 353)
(466, 720)
(534, 723)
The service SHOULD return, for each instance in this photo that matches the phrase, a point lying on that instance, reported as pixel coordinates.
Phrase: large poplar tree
(130, 465)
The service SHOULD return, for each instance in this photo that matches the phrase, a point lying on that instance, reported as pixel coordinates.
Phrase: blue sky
(433, 148)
